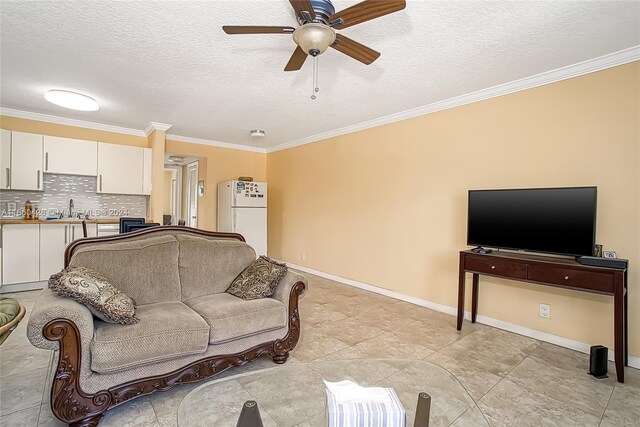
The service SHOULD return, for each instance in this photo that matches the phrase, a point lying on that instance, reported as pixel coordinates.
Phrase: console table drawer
(601, 282)
(497, 267)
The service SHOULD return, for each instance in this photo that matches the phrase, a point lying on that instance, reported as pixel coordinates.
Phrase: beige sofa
(189, 328)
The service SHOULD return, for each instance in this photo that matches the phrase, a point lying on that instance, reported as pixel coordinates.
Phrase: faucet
(70, 208)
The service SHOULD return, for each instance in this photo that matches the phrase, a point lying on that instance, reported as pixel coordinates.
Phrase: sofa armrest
(49, 307)
(283, 291)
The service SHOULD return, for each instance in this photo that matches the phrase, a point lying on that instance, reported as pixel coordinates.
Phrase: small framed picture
(598, 251)
(609, 254)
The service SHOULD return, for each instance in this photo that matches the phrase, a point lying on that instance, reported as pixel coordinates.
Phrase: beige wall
(387, 206)
(216, 164)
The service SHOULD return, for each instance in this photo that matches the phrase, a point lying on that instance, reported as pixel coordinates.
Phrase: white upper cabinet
(70, 156)
(146, 171)
(26, 161)
(120, 169)
(5, 159)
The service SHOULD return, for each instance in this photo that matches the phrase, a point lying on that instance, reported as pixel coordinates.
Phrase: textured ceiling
(170, 62)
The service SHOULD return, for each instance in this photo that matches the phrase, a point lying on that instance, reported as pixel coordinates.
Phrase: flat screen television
(550, 220)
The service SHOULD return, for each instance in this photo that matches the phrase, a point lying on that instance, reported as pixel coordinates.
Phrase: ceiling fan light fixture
(314, 38)
(71, 100)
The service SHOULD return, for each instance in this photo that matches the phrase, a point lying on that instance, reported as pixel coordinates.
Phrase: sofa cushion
(166, 330)
(144, 269)
(258, 280)
(90, 288)
(230, 317)
(209, 266)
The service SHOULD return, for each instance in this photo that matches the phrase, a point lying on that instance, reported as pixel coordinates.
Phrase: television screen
(552, 220)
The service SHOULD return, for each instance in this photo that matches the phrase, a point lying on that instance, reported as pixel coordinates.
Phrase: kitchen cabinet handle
(493, 267)
(66, 227)
(73, 233)
(46, 161)
(8, 178)
(100, 182)
(566, 277)
(38, 186)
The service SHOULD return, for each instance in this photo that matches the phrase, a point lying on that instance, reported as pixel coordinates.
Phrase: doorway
(173, 194)
(192, 194)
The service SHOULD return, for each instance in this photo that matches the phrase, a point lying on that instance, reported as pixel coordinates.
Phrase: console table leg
(474, 298)
(626, 327)
(461, 293)
(619, 327)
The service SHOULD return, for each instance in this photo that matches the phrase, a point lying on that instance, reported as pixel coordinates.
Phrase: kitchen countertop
(8, 221)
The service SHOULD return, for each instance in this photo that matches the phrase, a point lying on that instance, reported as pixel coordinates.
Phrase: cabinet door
(146, 171)
(26, 161)
(70, 156)
(75, 231)
(53, 241)
(119, 169)
(5, 159)
(20, 253)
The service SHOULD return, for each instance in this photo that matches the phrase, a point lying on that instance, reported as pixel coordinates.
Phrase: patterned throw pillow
(259, 280)
(90, 288)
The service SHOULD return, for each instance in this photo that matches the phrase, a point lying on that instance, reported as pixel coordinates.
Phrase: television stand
(555, 272)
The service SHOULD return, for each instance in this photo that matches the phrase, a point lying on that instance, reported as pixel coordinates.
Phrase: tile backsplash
(58, 189)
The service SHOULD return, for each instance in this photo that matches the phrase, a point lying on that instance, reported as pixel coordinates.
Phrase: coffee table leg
(423, 410)
(250, 415)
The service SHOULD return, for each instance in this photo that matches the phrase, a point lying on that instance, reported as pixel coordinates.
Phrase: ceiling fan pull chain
(315, 78)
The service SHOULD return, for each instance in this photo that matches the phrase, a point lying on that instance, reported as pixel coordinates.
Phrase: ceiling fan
(318, 21)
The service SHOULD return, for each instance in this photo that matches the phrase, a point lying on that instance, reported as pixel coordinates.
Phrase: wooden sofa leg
(68, 402)
(280, 358)
(87, 422)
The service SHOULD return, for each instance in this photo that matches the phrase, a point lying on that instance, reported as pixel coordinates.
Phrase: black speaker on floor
(598, 360)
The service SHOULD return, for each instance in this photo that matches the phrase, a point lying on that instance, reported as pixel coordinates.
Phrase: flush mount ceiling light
(258, 133)
(176, 159)
(71, 100)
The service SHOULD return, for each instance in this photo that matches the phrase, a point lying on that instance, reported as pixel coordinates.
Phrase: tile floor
(513, 380)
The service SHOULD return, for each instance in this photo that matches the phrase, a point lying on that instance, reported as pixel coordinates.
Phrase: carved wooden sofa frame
(72, 405)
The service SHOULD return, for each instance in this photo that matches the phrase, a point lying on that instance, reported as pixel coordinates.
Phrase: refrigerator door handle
(233, 220)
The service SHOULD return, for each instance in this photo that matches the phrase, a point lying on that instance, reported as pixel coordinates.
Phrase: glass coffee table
(293, 394)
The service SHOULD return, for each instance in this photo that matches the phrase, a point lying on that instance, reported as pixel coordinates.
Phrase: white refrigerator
(242, 208)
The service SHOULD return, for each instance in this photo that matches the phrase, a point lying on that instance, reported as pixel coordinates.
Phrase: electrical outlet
(303, 256)
(545, 311)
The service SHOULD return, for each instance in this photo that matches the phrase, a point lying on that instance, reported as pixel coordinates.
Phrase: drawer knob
(566, 277)
(493, 267)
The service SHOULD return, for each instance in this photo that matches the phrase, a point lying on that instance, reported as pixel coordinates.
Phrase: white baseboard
(500, 324)
(20, 287)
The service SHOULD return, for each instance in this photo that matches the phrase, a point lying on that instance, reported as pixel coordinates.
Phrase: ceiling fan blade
(296, 61)
(366, 11)
(256, 29)
(355, 50)
(303, 6)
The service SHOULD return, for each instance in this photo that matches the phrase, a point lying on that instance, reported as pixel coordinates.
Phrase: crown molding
(585, 67)
(152, 126)
(69, 122)
(581, 68)
(214, 143)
